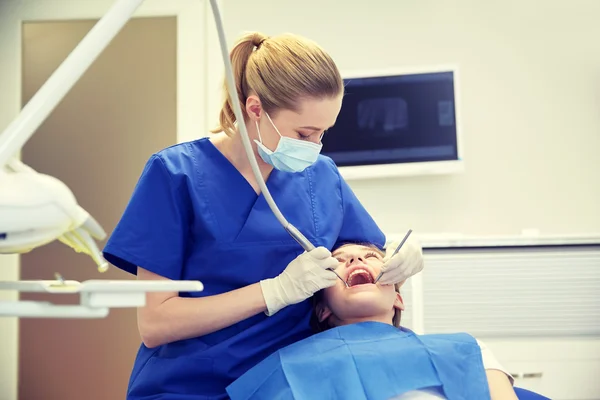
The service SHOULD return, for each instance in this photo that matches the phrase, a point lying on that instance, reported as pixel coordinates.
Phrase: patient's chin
(364, 304)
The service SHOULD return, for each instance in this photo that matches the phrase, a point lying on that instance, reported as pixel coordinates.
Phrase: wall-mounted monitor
(403, 122)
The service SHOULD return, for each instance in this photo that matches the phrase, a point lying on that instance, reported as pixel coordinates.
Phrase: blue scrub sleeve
(153, 230)
(358, 226)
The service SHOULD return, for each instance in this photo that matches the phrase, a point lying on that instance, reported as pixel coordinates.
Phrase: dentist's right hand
(304, 276)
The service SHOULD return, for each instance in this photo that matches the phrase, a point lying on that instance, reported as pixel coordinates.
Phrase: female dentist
(197, 214)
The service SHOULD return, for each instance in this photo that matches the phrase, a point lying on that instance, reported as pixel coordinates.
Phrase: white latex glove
(406, 263)
(302, 278)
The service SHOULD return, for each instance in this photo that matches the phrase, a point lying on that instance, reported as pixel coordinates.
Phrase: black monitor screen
(395, 119)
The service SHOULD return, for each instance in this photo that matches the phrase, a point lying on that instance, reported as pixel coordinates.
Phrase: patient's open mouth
(359, 277)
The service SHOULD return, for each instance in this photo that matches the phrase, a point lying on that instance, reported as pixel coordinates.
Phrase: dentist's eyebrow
(312, 128)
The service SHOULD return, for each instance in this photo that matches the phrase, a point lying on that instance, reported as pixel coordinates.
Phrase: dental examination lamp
(36, 209)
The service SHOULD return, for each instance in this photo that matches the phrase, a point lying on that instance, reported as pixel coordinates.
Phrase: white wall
(530, 85)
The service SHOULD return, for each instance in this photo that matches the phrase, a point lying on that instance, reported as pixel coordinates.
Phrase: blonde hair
(280, 70)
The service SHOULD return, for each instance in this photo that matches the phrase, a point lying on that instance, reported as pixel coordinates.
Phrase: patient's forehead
(356, 248)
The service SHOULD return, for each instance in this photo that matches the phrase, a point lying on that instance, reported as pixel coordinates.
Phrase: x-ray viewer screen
(395, 119)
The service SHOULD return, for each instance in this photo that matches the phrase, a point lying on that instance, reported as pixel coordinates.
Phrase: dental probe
(336, 274)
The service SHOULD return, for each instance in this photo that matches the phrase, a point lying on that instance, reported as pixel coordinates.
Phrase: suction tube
(237, 110)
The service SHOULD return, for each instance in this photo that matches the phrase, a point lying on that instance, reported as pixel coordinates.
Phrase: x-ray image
(383, 116)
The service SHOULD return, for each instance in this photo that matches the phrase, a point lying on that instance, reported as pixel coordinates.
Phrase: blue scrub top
(193, 216)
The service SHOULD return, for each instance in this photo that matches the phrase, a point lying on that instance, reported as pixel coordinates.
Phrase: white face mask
(291, 155)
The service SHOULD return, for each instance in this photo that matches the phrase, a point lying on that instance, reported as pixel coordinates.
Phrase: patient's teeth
(360, 271)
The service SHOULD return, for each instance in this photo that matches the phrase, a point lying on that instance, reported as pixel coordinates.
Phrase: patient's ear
(323, 312)
(398, 302)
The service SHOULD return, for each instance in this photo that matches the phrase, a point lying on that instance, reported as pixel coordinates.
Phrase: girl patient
(362, 352)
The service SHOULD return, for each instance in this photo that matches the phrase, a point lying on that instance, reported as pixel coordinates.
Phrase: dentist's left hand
(406, 263)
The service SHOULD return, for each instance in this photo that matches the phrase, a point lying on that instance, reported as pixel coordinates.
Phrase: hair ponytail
(239, 56)
(280, 71)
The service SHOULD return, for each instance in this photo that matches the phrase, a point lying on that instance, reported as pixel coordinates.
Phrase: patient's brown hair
(318, 326)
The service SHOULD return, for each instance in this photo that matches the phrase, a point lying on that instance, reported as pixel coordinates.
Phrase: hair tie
(258, 41)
